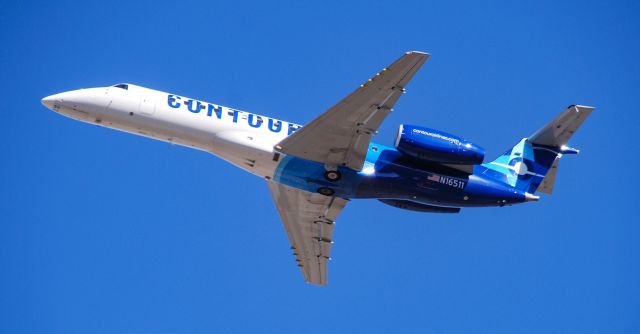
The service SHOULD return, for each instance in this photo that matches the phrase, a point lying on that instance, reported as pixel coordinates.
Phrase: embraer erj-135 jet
(313, 171)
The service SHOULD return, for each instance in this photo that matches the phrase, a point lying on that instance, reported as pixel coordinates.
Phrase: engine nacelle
(436, 146)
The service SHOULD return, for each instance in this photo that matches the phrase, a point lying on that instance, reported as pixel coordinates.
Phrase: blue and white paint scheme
(315, 170)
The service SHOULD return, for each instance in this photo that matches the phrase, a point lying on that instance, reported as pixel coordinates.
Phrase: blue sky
(106, 232)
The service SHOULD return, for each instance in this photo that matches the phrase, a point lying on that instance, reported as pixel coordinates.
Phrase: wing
(309, 219)
(341, 135)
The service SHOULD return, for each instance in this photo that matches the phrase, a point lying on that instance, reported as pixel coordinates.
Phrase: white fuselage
(244, 139)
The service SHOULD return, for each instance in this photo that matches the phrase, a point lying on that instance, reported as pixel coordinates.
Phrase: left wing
(309, 219)
(341, 135)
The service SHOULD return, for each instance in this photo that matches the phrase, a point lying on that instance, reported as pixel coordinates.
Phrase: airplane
(313, 171)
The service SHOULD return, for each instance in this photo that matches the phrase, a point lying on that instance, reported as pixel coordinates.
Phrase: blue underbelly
(389, 175)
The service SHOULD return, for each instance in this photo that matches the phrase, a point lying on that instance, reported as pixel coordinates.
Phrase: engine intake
(436, 146)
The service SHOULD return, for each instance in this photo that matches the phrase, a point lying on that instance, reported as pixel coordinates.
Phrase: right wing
(309, 219)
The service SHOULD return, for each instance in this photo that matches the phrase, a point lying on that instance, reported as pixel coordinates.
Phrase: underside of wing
(341, 135)
(309, 219)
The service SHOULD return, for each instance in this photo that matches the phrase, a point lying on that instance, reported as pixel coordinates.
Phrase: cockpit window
(123, 86)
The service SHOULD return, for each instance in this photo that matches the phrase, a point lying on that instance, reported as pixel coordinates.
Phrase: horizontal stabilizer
(558, 132)
(547, 183)
(532, 164)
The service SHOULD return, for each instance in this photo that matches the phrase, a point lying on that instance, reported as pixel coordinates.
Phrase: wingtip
(418, 55)
(581, 106)
(322, 284)
(418, 52)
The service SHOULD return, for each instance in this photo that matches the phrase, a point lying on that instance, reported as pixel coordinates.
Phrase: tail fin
(532, 164)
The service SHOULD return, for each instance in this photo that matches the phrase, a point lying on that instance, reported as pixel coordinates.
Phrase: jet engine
(436, 146)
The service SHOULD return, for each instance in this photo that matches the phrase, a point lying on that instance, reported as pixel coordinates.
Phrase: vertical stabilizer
(532, 164)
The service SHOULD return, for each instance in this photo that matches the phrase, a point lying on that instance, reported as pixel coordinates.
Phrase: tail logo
(520, 168)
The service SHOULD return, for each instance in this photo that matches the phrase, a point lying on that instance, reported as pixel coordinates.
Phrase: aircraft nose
(50, 100)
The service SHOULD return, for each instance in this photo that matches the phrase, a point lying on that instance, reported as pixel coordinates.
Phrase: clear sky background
(107, 232)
